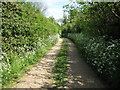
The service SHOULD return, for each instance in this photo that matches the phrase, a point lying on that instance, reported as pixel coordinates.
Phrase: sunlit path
(80, 75)
(40, 76)
(29, 29)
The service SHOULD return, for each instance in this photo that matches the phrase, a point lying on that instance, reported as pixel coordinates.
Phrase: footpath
(80, 75)
(40, 76)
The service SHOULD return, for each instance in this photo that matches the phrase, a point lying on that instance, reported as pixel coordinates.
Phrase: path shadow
(80, 75)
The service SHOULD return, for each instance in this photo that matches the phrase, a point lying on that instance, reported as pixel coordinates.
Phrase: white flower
(1, 57)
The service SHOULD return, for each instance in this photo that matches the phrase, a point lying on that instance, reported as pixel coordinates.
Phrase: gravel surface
(80, 75)
(40, 76)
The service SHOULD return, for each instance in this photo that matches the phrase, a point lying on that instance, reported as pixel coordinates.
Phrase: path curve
(40, 76)
(80, 75)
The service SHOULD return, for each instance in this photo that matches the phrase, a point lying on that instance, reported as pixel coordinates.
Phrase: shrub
(102, 55)
(26, 36)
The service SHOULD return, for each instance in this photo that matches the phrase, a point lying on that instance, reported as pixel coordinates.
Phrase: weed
(61, 66)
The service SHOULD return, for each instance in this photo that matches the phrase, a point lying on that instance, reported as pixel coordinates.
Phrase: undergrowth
(103, 55)
(26, 35)
(61, 66)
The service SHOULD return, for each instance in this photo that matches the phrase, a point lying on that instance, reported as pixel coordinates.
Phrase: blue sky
(54, 7)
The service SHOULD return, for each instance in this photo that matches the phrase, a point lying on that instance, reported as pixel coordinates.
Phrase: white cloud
(56, 13)
(54, 7)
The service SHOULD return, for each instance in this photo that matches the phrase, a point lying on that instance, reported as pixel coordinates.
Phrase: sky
(54, 7)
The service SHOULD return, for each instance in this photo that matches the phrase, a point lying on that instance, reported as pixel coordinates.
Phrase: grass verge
(17, 72)
(60, 68)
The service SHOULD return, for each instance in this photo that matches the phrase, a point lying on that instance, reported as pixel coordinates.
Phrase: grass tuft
(61, 66)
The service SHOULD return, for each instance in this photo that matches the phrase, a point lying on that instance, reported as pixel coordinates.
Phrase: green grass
(26, 36)
(19, 66)
(61, 66)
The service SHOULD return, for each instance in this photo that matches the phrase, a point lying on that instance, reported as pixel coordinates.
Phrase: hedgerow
(26, 36)
(99, 41)
(102, 55)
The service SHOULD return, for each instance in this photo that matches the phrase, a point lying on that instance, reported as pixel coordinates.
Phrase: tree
(93, 18)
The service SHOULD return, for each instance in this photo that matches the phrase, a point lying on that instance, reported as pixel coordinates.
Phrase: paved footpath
(40, 76)
(80, 75)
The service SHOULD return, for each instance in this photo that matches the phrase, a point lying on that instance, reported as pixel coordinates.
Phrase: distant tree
(93, 18)
(40, 7)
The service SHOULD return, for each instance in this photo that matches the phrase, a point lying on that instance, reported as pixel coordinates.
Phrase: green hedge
(102, 55)
(26, 36)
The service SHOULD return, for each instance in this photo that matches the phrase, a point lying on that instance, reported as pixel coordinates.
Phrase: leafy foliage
(26, 36)
(101, 55)
(93, 18)
(99, 41)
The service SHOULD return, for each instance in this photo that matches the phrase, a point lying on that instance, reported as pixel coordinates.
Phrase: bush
(102, 55)
(26, 36)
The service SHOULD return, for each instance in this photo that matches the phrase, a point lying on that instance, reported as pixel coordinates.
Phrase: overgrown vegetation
(61, 66)
(93, 19)
(26, 36)
(102, 55)
(94, 27)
